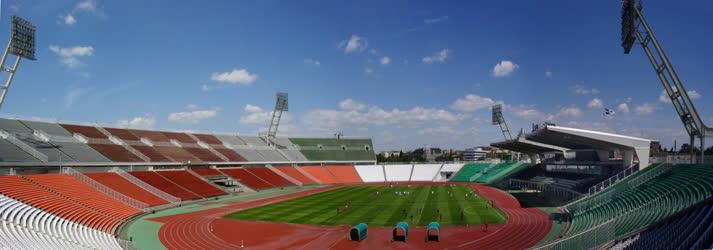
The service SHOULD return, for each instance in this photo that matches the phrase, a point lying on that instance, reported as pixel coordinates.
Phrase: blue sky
(406, 73)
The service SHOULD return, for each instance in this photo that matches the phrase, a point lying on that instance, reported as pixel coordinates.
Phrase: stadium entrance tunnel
(433, 233)
(358, 232)
(400, 232)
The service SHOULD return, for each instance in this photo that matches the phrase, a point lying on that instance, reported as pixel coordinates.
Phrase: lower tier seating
(321, 173)
(425, 172)
(468, 172)
(296, 174)
(191, 182)
(345, 174)
(26, 227)
(246, 178)
(691, 229)
(269, 176)
(163, 184)
(398, 172)
(124, 186)
(371, 173)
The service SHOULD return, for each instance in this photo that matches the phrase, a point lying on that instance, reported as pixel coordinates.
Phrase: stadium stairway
(246, 178)
(26, 227)
(124, 186)
(158, 181)
(191, 183)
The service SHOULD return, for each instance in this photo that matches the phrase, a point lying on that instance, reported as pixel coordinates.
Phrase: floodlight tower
(280, 106)
(22, 45)
(499, 120)
(632, 22)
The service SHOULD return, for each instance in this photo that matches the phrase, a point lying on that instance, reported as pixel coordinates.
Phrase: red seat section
(207, 172)
(134, 142)
(163, 145)
(60, 205)
(216, 144)
(321, 173)
(246, 178)
(156, 180)
(101, 143)
(191, 182)
(296, 174)
(345, 174)
(124, 186)
(192, 147)
(270, 176)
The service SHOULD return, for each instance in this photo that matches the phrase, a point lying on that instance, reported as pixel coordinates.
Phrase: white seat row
(398, 172)
(425, 172)
(26, 227)
(370, 173)
(447, 169)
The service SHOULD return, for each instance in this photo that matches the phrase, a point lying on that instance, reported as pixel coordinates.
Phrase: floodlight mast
(22, 45)
(280, 106)
(632, 19)
(499, 120)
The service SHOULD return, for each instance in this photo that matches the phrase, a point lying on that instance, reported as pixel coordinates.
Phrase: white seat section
(398, 172)
(425, 172)
(370, 173)
(26, 227)
(448, 170)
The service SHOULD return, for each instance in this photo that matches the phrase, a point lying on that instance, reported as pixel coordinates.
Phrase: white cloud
(385, 60)
(435, 20)
(68, 19)
(504, 68)
(645, 109)
(368, 71)
(579, 89)
(205, 88)
(68, 55)
(693, 94)
(73, 95)
(548, 74)
(354, 44)
(624, 108)
(254, 115)
(249, 108)
(572, 112)
(86, 5)
(237, 77)
(349, 104)
(312, 62)
(144, 122)
(595, 103)
(529, 113)
(472, 102)
(193, 116)
(437, 57)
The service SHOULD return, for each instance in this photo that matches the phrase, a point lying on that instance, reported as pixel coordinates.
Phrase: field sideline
(358, 204)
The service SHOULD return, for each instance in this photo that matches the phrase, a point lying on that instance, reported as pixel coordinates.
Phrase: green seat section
(485, 172)
(333, 149)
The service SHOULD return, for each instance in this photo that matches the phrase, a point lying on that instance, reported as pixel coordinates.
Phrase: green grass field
(386, 209)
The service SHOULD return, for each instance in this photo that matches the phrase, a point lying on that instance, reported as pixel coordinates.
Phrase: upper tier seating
(323, 149)
(191, 146)
(134, 141)
(296, 174)
(217, 145)
(425, 172)
(25, 134)
(250, 154)
(468, 172)
(345, 174)
(500, 171)
(64, 141)
(124, 186)
(268, 175)
(371, 173)
(289, 149)
(163, 184)
(27, 227)
(163, 145)
(398, 172)
(101, 143)
(191, 182)
(246, 178)
(321, 173)
(69, 207)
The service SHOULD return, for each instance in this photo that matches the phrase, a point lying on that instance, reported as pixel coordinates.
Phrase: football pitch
(381, 206)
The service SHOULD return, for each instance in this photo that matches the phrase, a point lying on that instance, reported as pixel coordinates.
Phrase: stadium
(66, 185)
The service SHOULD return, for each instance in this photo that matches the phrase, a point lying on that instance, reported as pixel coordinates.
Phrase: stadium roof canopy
(602, 142)
(523, 145)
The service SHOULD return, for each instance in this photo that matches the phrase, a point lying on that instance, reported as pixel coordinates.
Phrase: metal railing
(106, 190)
(563, 195)
(22, 145)
(161, 194)
(613, 180)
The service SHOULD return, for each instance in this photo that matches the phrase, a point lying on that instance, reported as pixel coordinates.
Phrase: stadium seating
(425, 172)
(101, 143)
(191, 182)
(242, 148)
(371, 173)
(207, 172)
(398, 172)
(499, 172)
(217, 145)
(82, 210)
(321, 173)
(321, 149)
(246, 178)
(269, 176)
(289, 149)
(163, 145)
(25, 134)
(192, 147)
(666, 194)
(61, 139)
(345, 174)
(468, 171)
(27, 227)
(163, 184)
(685, 231)
(134, 142)
(124, 186)
(296, 174)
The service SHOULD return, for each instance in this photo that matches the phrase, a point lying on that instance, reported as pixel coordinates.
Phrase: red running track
(208, 230)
